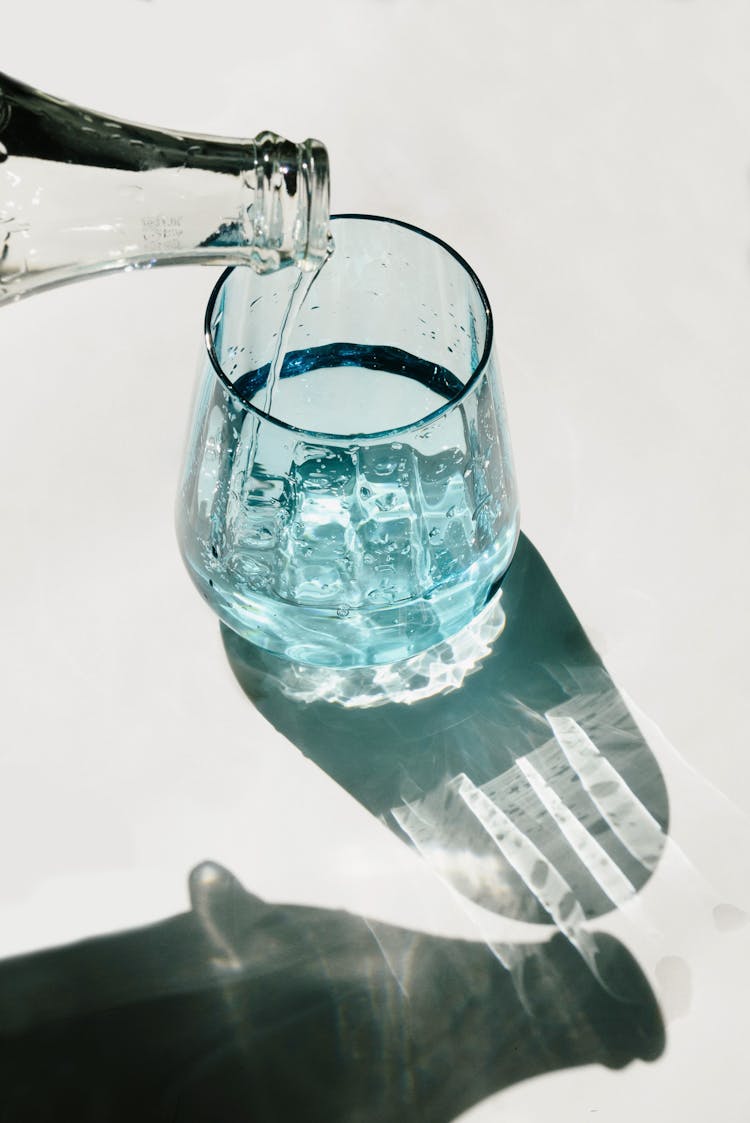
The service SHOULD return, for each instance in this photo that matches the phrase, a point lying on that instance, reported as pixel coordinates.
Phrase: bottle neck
(82, 193)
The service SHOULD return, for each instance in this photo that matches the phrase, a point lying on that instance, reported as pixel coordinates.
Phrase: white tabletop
(591, 162)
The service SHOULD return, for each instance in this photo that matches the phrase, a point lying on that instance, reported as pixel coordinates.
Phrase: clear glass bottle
(83, 193)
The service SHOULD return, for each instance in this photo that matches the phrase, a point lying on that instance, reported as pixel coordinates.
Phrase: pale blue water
(352, 553)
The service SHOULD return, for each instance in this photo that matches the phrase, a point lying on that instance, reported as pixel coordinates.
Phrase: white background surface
(591, 161)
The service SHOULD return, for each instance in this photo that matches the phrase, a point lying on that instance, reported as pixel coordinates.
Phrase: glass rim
(398, 430)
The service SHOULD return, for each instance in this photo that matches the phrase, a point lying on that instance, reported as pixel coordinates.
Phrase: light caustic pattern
(562, 819)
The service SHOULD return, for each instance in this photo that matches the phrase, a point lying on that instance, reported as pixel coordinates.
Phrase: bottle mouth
(316, 243)
(288, 220)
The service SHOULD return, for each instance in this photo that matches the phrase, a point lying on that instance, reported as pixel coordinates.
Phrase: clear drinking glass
(369, 509)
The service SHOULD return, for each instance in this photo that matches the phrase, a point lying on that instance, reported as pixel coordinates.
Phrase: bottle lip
(347, 438)
(314, 167)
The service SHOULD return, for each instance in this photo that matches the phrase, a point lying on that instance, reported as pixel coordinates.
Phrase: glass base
(355, 637)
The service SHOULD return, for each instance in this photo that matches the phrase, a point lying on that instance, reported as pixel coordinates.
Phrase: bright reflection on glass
(439, 670)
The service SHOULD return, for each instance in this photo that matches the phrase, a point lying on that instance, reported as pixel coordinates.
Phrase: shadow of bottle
(534, 788)
(245, 1012)
(530, 789)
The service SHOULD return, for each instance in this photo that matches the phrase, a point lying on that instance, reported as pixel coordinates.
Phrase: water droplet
(365, 492)
(343, 611)
(3, 152)
(450, 512)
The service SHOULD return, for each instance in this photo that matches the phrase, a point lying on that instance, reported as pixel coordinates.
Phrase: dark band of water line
(392, 360)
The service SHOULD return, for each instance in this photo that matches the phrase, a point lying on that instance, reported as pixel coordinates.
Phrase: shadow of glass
(245, 1012)
(530, 789)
